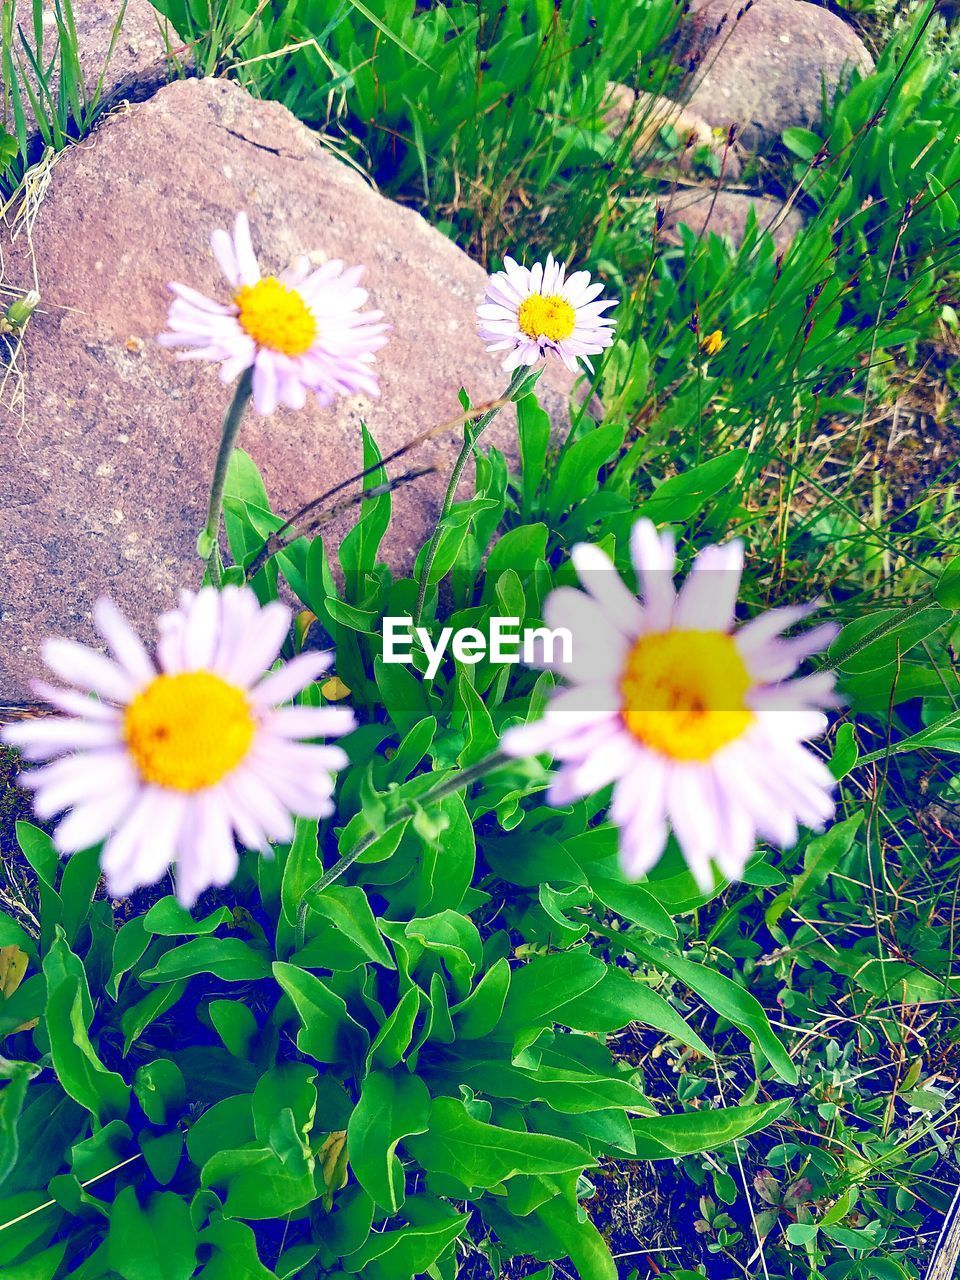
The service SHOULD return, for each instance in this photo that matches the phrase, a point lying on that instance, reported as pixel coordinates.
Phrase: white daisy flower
(173, 761)
(696, 723)
(528, 311)
(301, 331)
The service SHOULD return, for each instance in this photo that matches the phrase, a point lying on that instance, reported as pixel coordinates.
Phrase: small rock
(646, 114)
(725, 213)
(765, 69)
(105, 477)
(144, 53)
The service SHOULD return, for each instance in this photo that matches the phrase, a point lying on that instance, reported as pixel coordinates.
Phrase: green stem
(208, 544)
(456, 782)
(471, 438)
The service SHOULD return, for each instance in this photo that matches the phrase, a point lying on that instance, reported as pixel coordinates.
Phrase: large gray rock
(104, 480)
(126, 51)
(643, 116)
(725, 213)
(763, 65)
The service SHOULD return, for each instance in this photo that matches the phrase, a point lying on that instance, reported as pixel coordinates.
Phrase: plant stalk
(208, 544)
(471, 438)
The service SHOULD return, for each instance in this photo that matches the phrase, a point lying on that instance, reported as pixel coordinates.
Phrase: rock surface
(104, 479)
(142, 56)
(762, 66)
(644, 115)
(725, 213)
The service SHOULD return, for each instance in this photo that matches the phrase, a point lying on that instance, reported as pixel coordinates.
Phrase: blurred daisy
(697, 724)
(530, 311)
(301, 331)
(171, 762)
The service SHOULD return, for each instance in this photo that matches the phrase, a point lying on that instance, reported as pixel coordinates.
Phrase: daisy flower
(300, 331)
(173, 760)
(528, 311)
(696, 722)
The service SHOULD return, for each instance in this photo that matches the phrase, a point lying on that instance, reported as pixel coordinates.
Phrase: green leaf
(394, 1037)
(229, 959)
(689, 1132)
(477, 1015)
(348, 909)
(69, 1013)
(160, 1090)
(483, 1155)
(455, 939)
(156, 1243)
(301, 870)
(235, 1255)
(579, 1239)
(169, 919)
(130, 942)
(235, 1025)
(619, 1000)
(391, 1107)
(328, 1033)
(547, 983)
(11, 1104)
(680, 497)
(411, 1250)
(81, 875)
(725, 997)
(802, 142)
(947, 590)
(135, 1020)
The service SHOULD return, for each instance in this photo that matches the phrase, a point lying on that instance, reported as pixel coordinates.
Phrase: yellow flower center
(188, 731)
(684, 693)
(276, 317)
(546, 317)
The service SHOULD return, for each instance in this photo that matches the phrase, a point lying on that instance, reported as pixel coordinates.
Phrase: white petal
(86, 669)
(126, 645)
(290, 679)
(599, 647)
(599, 576)
(655, 562)
(707, 600)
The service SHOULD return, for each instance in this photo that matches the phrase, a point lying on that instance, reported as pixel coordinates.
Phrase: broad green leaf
(153, 1243)
(135, 1020)
(725, 997)
(477, 1015)
(579, 1238)
(394, 1037)
(482, 1155)
(328, 1033)
(391, 1107)
(69, 1013)
(235, 1025)
(12, 1097)
(455, 939)
(689, 1132)
(410, 1250)
(259, 1185)
(562, 1089)
(348, 909)
(169, 919)
(229, 959)
(547, 983)
(619, 1000)
(235, 1255)
(301, 870)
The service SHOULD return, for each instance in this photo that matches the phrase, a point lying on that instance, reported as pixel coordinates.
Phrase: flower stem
(457, 782)
(208, 544)
(471, 438)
